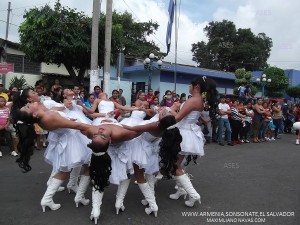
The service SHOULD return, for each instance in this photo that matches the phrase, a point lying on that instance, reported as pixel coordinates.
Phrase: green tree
(59, 36)
(244, 77)
(229, 49)
(279, 82)
(62, 36)
(294, 92)
(20, 83)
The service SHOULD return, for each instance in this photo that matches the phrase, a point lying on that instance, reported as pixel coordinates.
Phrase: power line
(9, 23)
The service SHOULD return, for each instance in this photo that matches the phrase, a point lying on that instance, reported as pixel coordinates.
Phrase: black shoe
(277, 137)
(221, 144)
(230, 144)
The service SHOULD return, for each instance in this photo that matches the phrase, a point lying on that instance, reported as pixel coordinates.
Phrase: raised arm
(125, 108)
(192, 104)
(122, 134)
(89, 110)
(54, 121)
(150, 127)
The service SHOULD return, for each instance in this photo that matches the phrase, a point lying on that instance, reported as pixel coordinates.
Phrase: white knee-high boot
(186, 184)
(151, 179)
(61, 188)
(96, 202)
(47, 199)
(149, 196)
(73, 180)
(83, 185)
(180, 191)
(121, 193)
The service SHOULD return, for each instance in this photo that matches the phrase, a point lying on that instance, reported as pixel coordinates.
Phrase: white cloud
(277, 18)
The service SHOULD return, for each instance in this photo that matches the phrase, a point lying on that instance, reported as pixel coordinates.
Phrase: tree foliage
(279, 81)
(20, 83)
(229, 49)
(244, 77)
(293, 91)
(63, 36)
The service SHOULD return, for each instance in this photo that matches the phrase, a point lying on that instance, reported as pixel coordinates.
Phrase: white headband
(171, 127)
(98, 153)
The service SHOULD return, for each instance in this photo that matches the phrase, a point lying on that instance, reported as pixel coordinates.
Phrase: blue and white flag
(170, 24)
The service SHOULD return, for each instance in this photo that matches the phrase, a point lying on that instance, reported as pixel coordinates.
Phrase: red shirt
(149, 98)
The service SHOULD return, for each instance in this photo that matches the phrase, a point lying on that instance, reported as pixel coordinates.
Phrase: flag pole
(176, 39)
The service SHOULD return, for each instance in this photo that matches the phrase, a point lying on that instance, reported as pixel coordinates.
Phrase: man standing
(241, 90)
(76, 91)
(224, 110)
(97, 90)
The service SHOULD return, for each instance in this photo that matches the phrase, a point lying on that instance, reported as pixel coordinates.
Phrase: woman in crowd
(259, 111)
(236, 122)
(277, 117)
(265, 123)
(167, 99)
(248, 121)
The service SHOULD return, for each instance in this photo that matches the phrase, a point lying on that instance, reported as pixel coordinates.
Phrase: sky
(278, 19)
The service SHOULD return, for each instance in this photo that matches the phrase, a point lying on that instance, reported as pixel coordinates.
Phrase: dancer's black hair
(169, 146)
(23, 123)
(208, 86)
(100, 167)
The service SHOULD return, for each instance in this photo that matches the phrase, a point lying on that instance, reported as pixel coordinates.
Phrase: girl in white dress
(192, 137)
(101, 137)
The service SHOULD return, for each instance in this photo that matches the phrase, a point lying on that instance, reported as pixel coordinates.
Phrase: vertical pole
(119, 69)
(263, 91)
(6, 33)
(176, 40)
(107, 48)
(94, 73)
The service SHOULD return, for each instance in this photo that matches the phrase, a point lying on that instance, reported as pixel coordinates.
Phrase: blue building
(163, 79)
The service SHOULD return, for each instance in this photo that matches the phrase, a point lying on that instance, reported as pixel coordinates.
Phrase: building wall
(30, 79)
(54, 69)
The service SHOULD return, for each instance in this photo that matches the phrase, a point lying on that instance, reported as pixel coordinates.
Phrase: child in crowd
(4, 126)
(271, 129)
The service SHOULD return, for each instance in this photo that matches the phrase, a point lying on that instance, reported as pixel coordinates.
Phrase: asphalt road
(245, 184)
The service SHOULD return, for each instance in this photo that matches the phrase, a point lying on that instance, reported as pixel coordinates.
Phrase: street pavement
(243, 184)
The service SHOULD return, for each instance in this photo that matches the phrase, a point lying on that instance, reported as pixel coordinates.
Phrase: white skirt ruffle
(67, 149)
(192, 140)
(120, 164)
(152, 166)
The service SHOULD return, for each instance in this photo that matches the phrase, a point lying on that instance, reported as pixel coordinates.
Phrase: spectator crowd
(234, 120)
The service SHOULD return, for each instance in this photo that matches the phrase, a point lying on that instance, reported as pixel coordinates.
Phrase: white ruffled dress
(118, 152)
(192, 136)
(67, 149)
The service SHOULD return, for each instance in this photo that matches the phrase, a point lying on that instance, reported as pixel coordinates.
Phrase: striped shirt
(235, 114)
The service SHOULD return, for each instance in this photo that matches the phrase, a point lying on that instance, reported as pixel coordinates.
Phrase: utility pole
(6, 34)
(94, 72)
(107, 48)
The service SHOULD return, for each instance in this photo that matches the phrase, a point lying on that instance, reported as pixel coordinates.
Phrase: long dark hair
(208, 86)
(100, 167)
(169, 146)
(23, 123)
